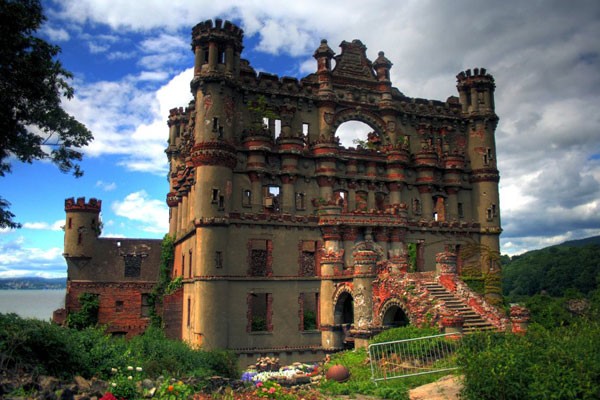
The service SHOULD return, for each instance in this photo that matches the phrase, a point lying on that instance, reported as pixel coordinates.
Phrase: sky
(132, 62)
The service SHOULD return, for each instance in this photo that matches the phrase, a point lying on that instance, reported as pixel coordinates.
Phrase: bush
(44, 348)
(36, 346)
(561, 363)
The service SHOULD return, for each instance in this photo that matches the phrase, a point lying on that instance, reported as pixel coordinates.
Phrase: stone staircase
(473, 321)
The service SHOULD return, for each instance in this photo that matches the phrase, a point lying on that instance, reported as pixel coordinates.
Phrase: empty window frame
(308, 311)
(260, 259)
(308, 260)
(146, 306)
(260, 312)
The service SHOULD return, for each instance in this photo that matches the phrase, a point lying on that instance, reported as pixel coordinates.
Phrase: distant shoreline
(33, 283)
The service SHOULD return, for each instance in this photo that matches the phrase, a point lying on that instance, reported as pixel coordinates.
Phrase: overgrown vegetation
(560, 363)
(165, 285)
(559, 357)
(40, 347)
(360, 371)
(87, 315)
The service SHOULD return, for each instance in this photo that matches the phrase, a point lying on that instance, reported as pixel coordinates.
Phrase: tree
(33, 83)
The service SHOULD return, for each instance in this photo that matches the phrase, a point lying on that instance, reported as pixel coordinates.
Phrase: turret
(82, 227)
(217, 48)
(476, 91)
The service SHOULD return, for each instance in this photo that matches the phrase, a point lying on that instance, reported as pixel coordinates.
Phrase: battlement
(218, 29)
(475, 77)
(93, 205)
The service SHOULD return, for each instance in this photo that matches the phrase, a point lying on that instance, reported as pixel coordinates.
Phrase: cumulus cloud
(19, 259)
(106, 186)
(545, 58)
(152, 215)
(56, 226)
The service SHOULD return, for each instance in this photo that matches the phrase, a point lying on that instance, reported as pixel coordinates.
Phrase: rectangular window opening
(305, 129)
(119, 304)
(277, 127)
(214, 198)
(309, 306)
(300, 201)
(260, 312)
(247, 198)
(219, 259)
(146, 306)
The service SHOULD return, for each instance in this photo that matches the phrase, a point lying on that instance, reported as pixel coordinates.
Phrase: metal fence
(410, 357)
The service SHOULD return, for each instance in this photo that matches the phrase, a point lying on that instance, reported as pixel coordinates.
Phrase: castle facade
(289, 242)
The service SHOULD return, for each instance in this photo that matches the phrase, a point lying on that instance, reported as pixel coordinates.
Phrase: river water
(32, 303)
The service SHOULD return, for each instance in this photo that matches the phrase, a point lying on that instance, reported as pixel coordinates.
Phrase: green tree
(33, 83)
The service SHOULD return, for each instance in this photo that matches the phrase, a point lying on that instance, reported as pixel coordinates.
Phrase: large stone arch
(343, 301)
(388, 306)
(357, 114)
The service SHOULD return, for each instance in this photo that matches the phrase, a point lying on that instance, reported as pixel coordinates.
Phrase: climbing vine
(167, 256)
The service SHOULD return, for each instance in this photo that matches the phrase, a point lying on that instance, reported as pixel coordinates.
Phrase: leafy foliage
(41, 347)
(553, 271)
(87, 316)
(562, 363)
(165, 285)
(32, 85)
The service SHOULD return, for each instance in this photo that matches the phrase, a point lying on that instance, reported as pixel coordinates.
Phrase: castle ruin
(289, 242)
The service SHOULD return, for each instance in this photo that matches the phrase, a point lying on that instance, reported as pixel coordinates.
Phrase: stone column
(332, 259)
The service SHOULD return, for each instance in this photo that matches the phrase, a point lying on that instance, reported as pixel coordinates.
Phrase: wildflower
(170, 388)
(114, 370)
(130, 377)
(259, 384)
(113, 384)
(138, 369)
(129, 368)
(272, 390)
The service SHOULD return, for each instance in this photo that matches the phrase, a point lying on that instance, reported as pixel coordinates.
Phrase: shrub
(36, 346)
(561, 363)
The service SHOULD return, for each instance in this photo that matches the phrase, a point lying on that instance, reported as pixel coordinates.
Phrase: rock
(445, 388)
(48, 383)
(83, 385)
(147, 384)
(98, 388)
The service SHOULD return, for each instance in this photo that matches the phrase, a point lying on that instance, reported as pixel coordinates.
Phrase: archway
(394, 317)
(351, 132)
(344, 310)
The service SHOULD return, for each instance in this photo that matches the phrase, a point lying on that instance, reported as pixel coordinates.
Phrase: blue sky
(132, 63)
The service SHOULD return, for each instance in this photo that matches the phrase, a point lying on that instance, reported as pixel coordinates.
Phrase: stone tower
(82, 227)
(477, 100)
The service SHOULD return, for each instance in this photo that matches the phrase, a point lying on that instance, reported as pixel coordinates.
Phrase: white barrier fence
(410, 357)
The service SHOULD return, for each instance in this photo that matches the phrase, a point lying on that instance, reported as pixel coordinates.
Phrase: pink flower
(272, 390)
(259, 384)
(264, 390)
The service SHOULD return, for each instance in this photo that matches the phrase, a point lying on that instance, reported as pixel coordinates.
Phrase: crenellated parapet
(93, 206)
(218, 31)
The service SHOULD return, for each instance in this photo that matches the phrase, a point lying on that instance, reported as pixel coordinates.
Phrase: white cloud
(545, 58)
(106, 186)
(96, 48)
(56, 226)
(19, 259)
(152, 214)
(55, 34)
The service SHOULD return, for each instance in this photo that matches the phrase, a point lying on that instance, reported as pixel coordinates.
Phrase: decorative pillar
(332, 260)
(426, 201)
(287, 195)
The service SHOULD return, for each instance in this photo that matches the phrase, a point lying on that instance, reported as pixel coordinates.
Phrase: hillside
(32, 283)
(573, 265)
